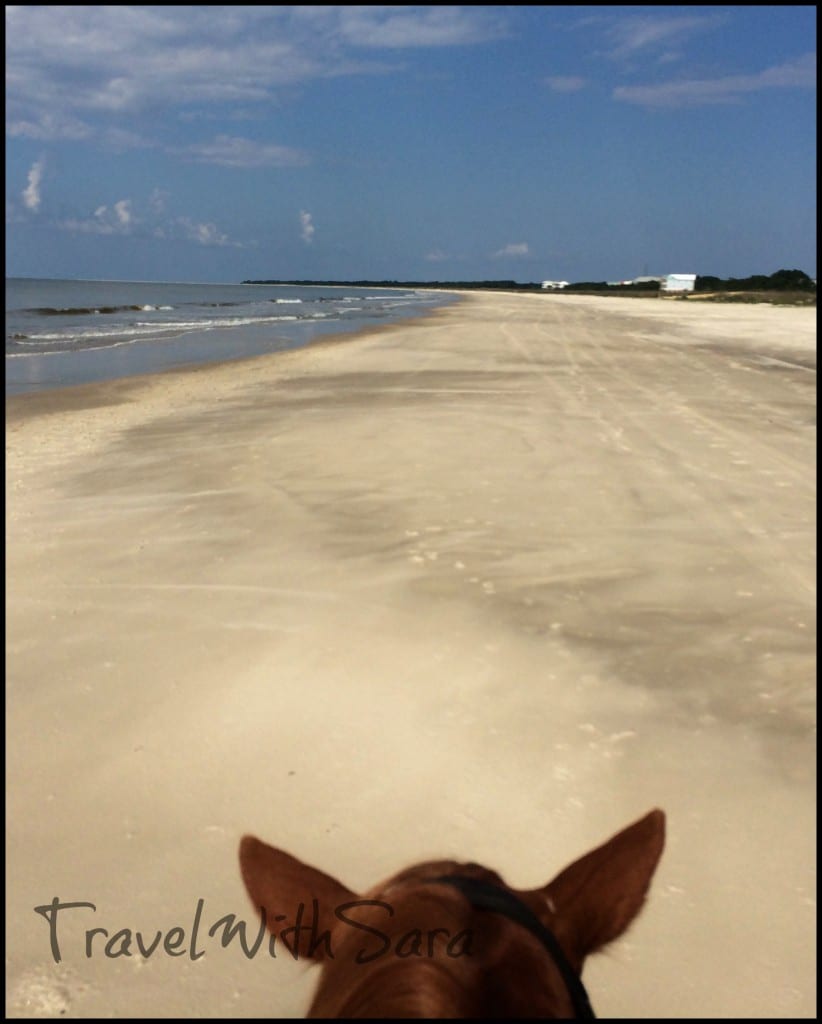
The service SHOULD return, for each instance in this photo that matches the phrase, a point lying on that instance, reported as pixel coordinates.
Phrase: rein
(486, 896)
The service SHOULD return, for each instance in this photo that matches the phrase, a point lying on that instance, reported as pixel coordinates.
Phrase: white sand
(487, 585)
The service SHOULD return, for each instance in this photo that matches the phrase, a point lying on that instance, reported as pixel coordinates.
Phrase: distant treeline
(501, 285)
(642, 287)
(782, 280)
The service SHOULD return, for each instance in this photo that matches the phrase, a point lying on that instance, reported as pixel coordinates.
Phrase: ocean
(60, 333)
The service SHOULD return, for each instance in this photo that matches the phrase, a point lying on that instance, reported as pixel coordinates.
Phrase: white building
(679, 283)
(553, 285)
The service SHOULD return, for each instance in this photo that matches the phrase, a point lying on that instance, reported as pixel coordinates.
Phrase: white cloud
(515, 249)
(108, 60)
(148, 219)
(231, 151)
(157, 200)
(307, 227)
(92, 226)
(31, 193)
(436, 256)
(565, 83)
(120, 139)
(204, 233)
(122, 211)
(398, 27)
(48, 127)
(637, 34)
(119, 220)
(796, 74)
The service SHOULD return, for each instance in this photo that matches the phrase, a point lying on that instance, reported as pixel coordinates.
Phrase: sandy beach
(489, 584)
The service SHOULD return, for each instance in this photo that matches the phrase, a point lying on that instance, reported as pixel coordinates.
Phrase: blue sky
(450, 143)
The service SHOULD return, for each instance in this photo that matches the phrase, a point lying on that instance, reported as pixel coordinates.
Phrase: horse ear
(280, 885)
(598, 896)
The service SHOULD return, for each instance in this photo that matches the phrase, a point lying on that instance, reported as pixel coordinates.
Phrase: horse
(450, 939)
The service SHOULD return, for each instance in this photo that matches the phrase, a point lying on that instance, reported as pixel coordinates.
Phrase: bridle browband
(487, 896)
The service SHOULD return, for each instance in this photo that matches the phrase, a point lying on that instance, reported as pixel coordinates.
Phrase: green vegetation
(781, 281)
(643, 289)
(784, 288)
(774, 298)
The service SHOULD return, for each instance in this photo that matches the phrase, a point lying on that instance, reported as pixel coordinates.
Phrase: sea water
(60, 333)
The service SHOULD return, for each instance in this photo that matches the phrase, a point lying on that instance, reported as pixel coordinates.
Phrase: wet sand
(490, 584)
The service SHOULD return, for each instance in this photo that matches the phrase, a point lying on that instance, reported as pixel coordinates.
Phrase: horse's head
(444, 938)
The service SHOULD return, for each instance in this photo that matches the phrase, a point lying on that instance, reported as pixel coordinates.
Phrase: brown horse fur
(415, 947)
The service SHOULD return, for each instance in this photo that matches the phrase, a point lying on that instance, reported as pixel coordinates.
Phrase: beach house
(679, 283)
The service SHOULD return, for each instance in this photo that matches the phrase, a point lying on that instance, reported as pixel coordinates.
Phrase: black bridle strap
(486, 896)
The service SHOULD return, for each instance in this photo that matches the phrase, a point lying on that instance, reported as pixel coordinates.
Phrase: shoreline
(70, 396)
(24, 404)
(488, 584)
(177, 346)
